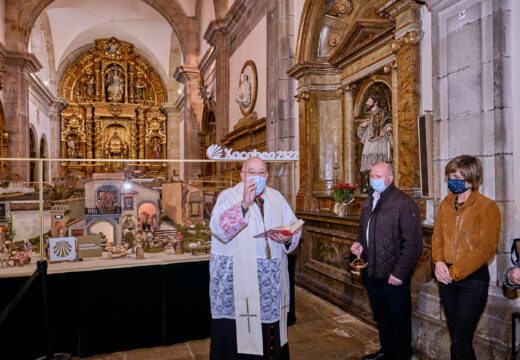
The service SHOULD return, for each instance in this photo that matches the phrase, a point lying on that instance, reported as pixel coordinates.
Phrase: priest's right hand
(356, 249)
(249, 193)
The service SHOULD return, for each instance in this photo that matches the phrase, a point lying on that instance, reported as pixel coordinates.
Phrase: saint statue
(115, 85)
(244, 92)
(156, 149)
(140, 85)
(115, 146)
(89, 84)
(71, 147)
(375, 134)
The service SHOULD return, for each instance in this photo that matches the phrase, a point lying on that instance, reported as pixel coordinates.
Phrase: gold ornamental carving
(344, 6)
(115, 109)
(302, 96)
(333, 40)
(113, 97)
(412, 37)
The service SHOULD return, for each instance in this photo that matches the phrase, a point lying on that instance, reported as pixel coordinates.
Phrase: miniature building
(63, 213)
(113, 204)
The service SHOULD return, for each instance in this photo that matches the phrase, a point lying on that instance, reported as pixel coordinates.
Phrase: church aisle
(322, 331)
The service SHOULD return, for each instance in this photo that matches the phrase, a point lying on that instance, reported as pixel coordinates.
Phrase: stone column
(192, 117)
(55, 135)
(304, 196)
(173, 114)
(217, 36)
(282, 109)
(141, 126)
(349, 162)
(408, 64)
(18, 66)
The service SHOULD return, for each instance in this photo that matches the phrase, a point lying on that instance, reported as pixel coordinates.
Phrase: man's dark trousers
(392, 308)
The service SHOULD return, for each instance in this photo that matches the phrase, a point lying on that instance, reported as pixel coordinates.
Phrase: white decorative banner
(62, 249)
(215, 152)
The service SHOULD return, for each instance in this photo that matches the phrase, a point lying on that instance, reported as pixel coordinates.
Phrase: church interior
(121, 121)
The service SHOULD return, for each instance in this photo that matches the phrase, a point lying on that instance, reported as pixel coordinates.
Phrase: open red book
(286, 230)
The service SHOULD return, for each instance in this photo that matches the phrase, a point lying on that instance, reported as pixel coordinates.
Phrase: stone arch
(318, 26)
(96, 225)
(145, 205)
(26, 12)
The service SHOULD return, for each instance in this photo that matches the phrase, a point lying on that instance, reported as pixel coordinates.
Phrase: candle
(335, 158)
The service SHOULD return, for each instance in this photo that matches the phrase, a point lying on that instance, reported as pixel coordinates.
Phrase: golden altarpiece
(113, 97)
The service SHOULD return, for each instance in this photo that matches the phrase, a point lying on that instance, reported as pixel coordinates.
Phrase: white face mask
(260, 183)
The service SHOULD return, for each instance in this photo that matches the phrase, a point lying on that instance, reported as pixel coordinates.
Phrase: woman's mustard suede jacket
(466, 238)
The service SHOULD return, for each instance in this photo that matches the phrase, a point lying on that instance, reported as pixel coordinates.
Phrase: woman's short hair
(470, 168)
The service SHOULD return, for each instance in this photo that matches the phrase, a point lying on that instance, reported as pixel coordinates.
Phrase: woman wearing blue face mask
(465, 238)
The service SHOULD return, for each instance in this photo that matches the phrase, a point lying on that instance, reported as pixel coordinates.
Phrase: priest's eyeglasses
(261, 172)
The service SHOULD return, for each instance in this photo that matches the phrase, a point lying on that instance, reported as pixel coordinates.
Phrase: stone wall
(472, 112)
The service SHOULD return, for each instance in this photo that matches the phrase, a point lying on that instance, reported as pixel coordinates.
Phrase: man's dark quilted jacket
(395, 234)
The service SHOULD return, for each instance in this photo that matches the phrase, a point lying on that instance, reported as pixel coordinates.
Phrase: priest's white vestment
(245, 285)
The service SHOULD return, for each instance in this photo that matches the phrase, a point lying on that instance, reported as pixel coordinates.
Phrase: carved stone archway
(345, 47)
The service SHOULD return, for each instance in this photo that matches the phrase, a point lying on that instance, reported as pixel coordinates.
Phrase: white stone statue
(244, 92)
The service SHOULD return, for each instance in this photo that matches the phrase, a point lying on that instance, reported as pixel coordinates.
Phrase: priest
(249, 279)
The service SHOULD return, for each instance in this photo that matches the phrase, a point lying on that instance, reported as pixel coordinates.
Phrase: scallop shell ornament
(214, 152)
(62, 249)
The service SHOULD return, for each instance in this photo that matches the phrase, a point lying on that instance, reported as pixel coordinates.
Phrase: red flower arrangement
(342, 191)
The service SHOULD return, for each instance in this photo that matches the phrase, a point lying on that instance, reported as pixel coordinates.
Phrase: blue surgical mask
(457, 186)
(378, 184)
(260, 183)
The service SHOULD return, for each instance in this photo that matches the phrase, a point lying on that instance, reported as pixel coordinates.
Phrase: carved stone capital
(395, 45)
(189, 75)
(216, 30)
(302, 96)
(58, 104)
(388, 67)
(412, 37)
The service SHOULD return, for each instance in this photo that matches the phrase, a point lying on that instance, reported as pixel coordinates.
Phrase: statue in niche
(115, 85)
(244, 92)
(71, 148)
(156, 149)
(375, 133)
(140, 86)
(115, 146)
(89, 80)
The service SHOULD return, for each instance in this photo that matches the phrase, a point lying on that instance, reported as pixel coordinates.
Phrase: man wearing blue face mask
(249, 279)
(390, 241)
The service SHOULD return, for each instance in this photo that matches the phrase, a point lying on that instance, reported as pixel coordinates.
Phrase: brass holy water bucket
(356, 266)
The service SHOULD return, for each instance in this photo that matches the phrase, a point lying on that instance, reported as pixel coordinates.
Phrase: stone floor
(322, 331)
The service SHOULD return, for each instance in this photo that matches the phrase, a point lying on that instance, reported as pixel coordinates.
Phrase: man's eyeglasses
(262, 173)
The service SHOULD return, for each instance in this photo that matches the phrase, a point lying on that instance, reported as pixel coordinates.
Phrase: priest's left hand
(392, 280)
(280, 238)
